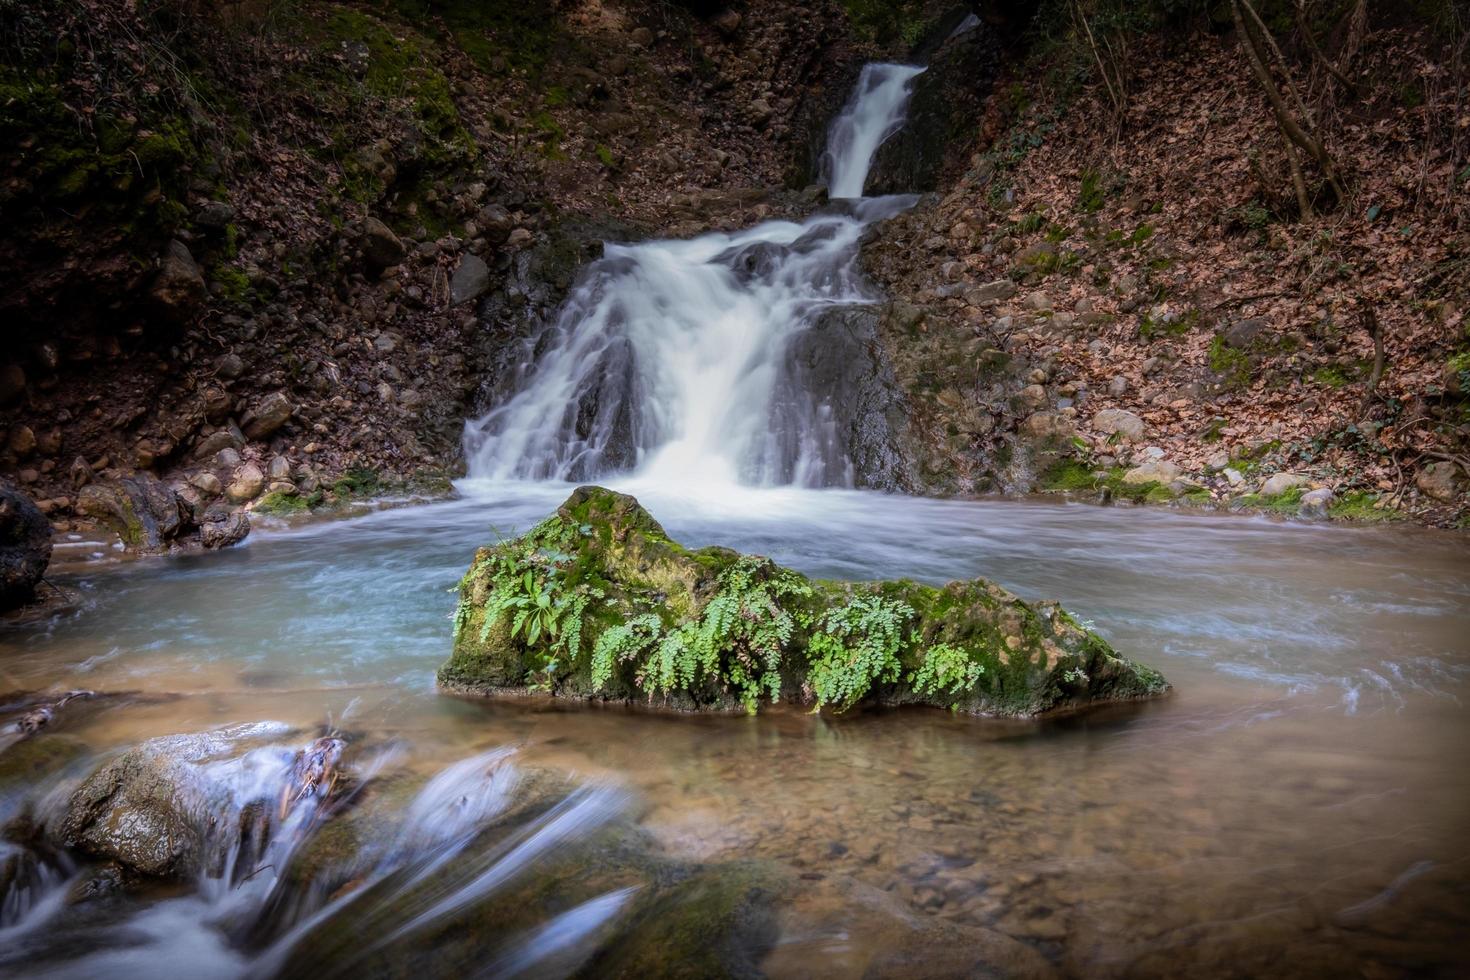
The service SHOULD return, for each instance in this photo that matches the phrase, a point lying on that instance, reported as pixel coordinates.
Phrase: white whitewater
(668, 359)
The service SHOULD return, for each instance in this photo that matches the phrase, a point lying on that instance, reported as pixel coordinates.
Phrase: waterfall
(668, 358)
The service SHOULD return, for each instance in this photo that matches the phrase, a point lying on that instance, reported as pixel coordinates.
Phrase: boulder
(1116, 421)
(1153, 471)
(991, 292)
(470, 281)
(1048, 426)
(268, 415)
(1438, 480)
(1279, 483)
(223, 529)
(178, 291)
(247, 484)
(380, 247)
(25, 547)
(144, 512)
(154, 808)
(216, 441)
(1242, 333)
(649, 620)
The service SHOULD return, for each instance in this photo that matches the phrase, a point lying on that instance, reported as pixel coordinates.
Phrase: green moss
(1233, 366)
(278, 504)
(1362, 507)
(234, 282)
(358, 482)
(1091, 194)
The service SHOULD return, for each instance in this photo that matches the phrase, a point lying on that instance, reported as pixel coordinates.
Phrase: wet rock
(279, 468)
(142, 510)
(1439, 480)
(25, 547)
(1011, 657)
(152, 810)
(470, 281)
(1279, 483)
(248, 483)
(380, 247)
(268, 415)
(1116, 421)
(178, 291)
(1153, 471)
(1033, 396)
(221, 530)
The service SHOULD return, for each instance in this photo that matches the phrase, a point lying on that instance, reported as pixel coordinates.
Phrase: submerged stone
(596, 602)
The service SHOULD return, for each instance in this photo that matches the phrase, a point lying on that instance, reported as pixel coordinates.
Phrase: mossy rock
(597, 602)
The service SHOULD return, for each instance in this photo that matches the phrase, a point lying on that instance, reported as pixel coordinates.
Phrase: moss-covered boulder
(596, 602)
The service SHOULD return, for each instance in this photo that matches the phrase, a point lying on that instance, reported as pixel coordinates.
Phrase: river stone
(470, 281)
(152, 809)
(268, 415)
(142, 510)
(217, 441)
(221, 530)
(248, 483)
(1315, 503)
(1111, 421)
(1279, 483)
(1153, 471)
(25, 547)
(1029, 658)
(1048, 427)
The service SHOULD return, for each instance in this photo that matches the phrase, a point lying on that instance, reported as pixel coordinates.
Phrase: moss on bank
(596, 602)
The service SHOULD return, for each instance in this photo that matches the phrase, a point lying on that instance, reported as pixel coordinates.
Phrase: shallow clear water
(1298, 805)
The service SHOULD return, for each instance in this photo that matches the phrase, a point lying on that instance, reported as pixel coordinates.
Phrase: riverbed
(1296, 806)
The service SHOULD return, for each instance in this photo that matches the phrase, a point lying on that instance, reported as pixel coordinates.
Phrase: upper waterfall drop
(670, 359)
(874, 112)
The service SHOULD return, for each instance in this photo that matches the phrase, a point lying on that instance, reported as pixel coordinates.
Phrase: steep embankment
(247, 249)
(1090, 294)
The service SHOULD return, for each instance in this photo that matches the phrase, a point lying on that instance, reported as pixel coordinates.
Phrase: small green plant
(946, 669)
(1233, 366)
(1090, 196)
(855, 646)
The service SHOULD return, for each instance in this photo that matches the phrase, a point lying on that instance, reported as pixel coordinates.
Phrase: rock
(1116, 421)
(1048, 426)
(155, 808)
(1438, 480)
(279, 468)
(1038, 302)
(1118, 386)
(470, 281)
(268, 415)
(519, 237)
(80, 472)
(1280, 483)
(221, 530)
(206, 483)
(728, 23)
(142, 510)
(991, 292)
(642, 37)
(1315, 503)
(1218, 462)
(25, 547)
(12, 383)
(21, 441)
(230, 366)
(1153, 471)
(1241, 333)
(217, 404)
(247, 484)
(227, 457)
(1033, 396)
(178, 291)
(217, 441)
(1233, 476)
(380, 247)
(1005, 656)
(214, 215)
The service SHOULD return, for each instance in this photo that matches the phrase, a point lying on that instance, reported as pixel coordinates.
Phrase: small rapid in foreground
(670, 358)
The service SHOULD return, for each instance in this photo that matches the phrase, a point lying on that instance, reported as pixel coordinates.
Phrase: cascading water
(670, 357)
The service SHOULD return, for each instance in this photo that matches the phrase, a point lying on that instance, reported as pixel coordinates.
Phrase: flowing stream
(1298, 805)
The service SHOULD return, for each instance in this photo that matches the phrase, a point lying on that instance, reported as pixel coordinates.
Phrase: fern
(946, 670)
(621, 643)
(856, 645)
